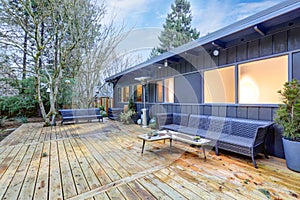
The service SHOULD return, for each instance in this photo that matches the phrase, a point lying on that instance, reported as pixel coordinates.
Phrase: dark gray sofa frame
(77, 114)
(242, 136)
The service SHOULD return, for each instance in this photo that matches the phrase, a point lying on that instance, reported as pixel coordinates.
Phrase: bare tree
(95, 63)
(57, 36)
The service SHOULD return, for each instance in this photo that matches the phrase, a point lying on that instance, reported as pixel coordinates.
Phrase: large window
(219, 85)
(169, 90)
(125, 94)
(159, 91)
(260, 80)
(138, 93)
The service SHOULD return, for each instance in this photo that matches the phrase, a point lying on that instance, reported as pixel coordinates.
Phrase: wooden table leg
(170, 145)
(143, 146)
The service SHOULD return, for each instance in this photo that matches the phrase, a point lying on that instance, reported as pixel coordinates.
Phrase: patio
(104, 161)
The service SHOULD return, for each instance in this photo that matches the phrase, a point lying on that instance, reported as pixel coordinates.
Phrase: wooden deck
(104, 161)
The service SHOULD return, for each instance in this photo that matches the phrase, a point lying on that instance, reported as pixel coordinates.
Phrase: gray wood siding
(266, 46)
(241, 53)
(287, 41)
(280, 42)
(253, 49)
(294, 39)
(231, 55)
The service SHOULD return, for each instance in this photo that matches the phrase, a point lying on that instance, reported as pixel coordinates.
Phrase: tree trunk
(38, 91)
(24, 61)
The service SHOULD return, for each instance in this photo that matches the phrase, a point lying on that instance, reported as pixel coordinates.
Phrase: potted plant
(288, 117)
(102, 111)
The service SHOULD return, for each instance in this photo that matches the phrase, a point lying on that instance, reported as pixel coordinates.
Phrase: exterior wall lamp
(166, 63)
(216, 52)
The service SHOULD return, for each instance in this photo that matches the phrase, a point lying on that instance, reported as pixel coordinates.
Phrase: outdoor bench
(77, 114)
(242, 136)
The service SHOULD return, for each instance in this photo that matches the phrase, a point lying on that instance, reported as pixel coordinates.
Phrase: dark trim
(236, 82)
(212, 104)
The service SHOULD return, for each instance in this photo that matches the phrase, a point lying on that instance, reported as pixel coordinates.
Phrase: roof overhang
(277, 18)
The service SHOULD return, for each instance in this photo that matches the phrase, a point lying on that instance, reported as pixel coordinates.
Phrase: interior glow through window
(219, 85)
(260, 80)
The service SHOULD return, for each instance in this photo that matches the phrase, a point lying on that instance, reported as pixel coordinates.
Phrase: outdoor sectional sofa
(243, 136)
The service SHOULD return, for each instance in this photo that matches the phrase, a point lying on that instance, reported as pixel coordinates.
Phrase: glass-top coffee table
(189, 139)
(176, 136)
(161, 135)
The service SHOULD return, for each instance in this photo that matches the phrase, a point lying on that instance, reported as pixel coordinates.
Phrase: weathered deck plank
(89, 174)
(78, 175)
(181, 187)
(29, 181)
(104, 161)
(141, 191)
(17, 181)
(11, 170)
(153, 189)
(42, 182)
(8, 159)
(68, 184)
(196, 187)
(55, 187)
(98, 170)
(43, 134)
(3, 155)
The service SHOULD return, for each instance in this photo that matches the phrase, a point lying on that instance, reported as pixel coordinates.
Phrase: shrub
(288, 114)
(131, 105)
(21, 119)
(126, 117)
(17, 105)
(2, 120)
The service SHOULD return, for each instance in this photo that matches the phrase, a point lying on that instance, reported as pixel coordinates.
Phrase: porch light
(166, 63)
(216, 52)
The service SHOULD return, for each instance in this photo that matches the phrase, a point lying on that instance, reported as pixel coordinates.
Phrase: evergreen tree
(177, 28)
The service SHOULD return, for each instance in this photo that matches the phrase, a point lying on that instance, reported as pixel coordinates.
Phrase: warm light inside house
(250, 90)
(169, 90)
(219, 85)
(260, 80)
(159, 91)
(125, 94)
(139, 93)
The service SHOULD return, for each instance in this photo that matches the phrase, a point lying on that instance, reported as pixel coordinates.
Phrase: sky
(145, 17)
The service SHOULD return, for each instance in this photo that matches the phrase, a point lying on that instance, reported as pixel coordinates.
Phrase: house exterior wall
(286, 42)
